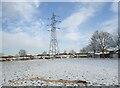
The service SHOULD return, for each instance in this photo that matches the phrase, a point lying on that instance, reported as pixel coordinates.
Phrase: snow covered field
(94, 71)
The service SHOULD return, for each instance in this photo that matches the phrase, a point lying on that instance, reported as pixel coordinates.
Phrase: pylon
(53, 48)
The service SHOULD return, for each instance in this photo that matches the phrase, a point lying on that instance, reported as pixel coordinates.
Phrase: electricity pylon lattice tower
(53, 48)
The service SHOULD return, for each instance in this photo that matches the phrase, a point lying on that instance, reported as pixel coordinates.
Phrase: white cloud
(111, 25)
(22, 40)
(20, 16)
(37, 3)
(72, 36)
(23, 10)
(75, 20)
(26, 32)
(114, 7)
(75, 44)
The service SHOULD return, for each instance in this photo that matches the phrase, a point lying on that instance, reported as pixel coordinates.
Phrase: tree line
(101, 41)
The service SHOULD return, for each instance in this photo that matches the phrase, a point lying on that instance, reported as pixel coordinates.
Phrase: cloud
(21, 16)
(22, 40)
(111, 25)
(114, 7)
(33, 26)
(21, 27)
(37, 3)
(72, 36)
(77, 18)
(23, 10)
(71, 33)
(72, 23)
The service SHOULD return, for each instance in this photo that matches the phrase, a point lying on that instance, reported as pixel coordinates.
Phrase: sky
(24, 24)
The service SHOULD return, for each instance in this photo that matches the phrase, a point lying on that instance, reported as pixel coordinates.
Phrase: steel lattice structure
(53, 48)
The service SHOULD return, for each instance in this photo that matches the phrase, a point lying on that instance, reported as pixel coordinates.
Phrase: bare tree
(104, 40)
(1, 54)
(65, 52)
(83, 50)
(72, 52)
(86, 49)
(117, 42)
(44, 53)
(94, 43)
(22, 52)
(101, 40)
(118, 39)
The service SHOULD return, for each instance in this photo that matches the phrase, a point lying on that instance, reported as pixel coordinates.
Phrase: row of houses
(110, 54)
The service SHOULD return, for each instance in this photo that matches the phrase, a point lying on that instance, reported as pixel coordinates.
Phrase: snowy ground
(94, 71)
